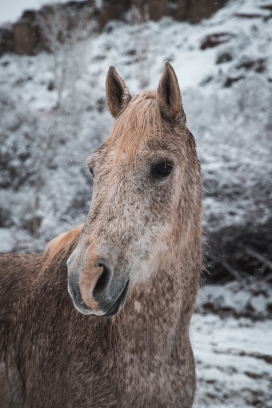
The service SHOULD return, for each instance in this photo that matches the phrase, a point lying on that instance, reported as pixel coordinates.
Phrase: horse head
(146, 197)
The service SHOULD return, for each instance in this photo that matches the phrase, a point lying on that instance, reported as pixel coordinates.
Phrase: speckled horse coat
(132, 272)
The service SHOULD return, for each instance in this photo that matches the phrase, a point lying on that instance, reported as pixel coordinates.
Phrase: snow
(251, 298)
(227, 96)
(7, 242)
(233, 362)
(231, 334)
(232, 124)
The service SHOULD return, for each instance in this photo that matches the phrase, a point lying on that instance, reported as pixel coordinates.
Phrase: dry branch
(259, 256)
(231, 270)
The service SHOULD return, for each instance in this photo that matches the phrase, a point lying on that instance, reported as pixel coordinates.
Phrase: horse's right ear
(117, 94)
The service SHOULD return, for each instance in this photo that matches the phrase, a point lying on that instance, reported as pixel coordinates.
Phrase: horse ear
(117, 94)
(169, 94)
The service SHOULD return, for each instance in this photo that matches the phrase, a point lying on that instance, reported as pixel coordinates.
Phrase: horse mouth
(118, 304)
(86, 310)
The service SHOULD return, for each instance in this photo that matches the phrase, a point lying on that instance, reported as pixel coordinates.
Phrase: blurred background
(54, 57)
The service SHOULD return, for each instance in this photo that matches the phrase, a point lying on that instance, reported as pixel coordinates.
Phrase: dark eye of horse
(162, 170)
(91, 171)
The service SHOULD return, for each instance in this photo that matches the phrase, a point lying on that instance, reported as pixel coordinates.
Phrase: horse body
(61, 358)
(134, 255)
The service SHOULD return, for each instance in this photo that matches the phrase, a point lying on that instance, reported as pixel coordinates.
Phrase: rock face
(25, 36)
(6, 40)
(181, 10)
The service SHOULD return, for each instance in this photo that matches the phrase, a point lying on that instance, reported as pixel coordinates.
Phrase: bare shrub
(64, 31)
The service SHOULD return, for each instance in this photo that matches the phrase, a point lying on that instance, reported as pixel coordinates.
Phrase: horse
(119, 336)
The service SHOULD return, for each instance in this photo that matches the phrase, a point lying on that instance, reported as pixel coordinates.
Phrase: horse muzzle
(96, 291)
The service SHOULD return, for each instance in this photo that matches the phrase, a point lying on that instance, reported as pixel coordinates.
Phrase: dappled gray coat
(136, 260)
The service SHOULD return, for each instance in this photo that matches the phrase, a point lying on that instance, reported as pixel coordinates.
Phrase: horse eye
(91, 171)
(162, 170)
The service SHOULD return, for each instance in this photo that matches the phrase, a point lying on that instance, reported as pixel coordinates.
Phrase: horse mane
(59, 248)
(140, 120)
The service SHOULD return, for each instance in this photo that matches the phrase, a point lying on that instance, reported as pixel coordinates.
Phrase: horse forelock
(140, 121)
(62, 245)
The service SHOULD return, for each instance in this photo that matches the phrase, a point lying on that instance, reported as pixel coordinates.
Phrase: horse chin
(87, 311)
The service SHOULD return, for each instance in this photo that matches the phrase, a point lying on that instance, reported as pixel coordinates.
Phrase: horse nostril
(103, 280)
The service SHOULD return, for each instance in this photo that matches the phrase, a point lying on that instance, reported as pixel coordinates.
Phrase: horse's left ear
(169, 94)
(117, 94)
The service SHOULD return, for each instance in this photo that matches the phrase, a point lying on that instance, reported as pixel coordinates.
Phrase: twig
(258, 256)
(268, 277)
(215, 260)
(231, 270)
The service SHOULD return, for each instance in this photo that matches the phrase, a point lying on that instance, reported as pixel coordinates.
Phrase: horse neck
(158, 311)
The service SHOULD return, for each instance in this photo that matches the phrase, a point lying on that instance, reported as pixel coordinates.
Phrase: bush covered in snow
(53, 115)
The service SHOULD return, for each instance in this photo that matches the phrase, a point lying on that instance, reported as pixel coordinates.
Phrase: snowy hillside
(227, 93)
(53, 114)
(60, 113)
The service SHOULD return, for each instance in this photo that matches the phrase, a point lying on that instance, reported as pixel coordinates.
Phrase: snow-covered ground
(231, 335)
(233, 362)
(53, 115)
